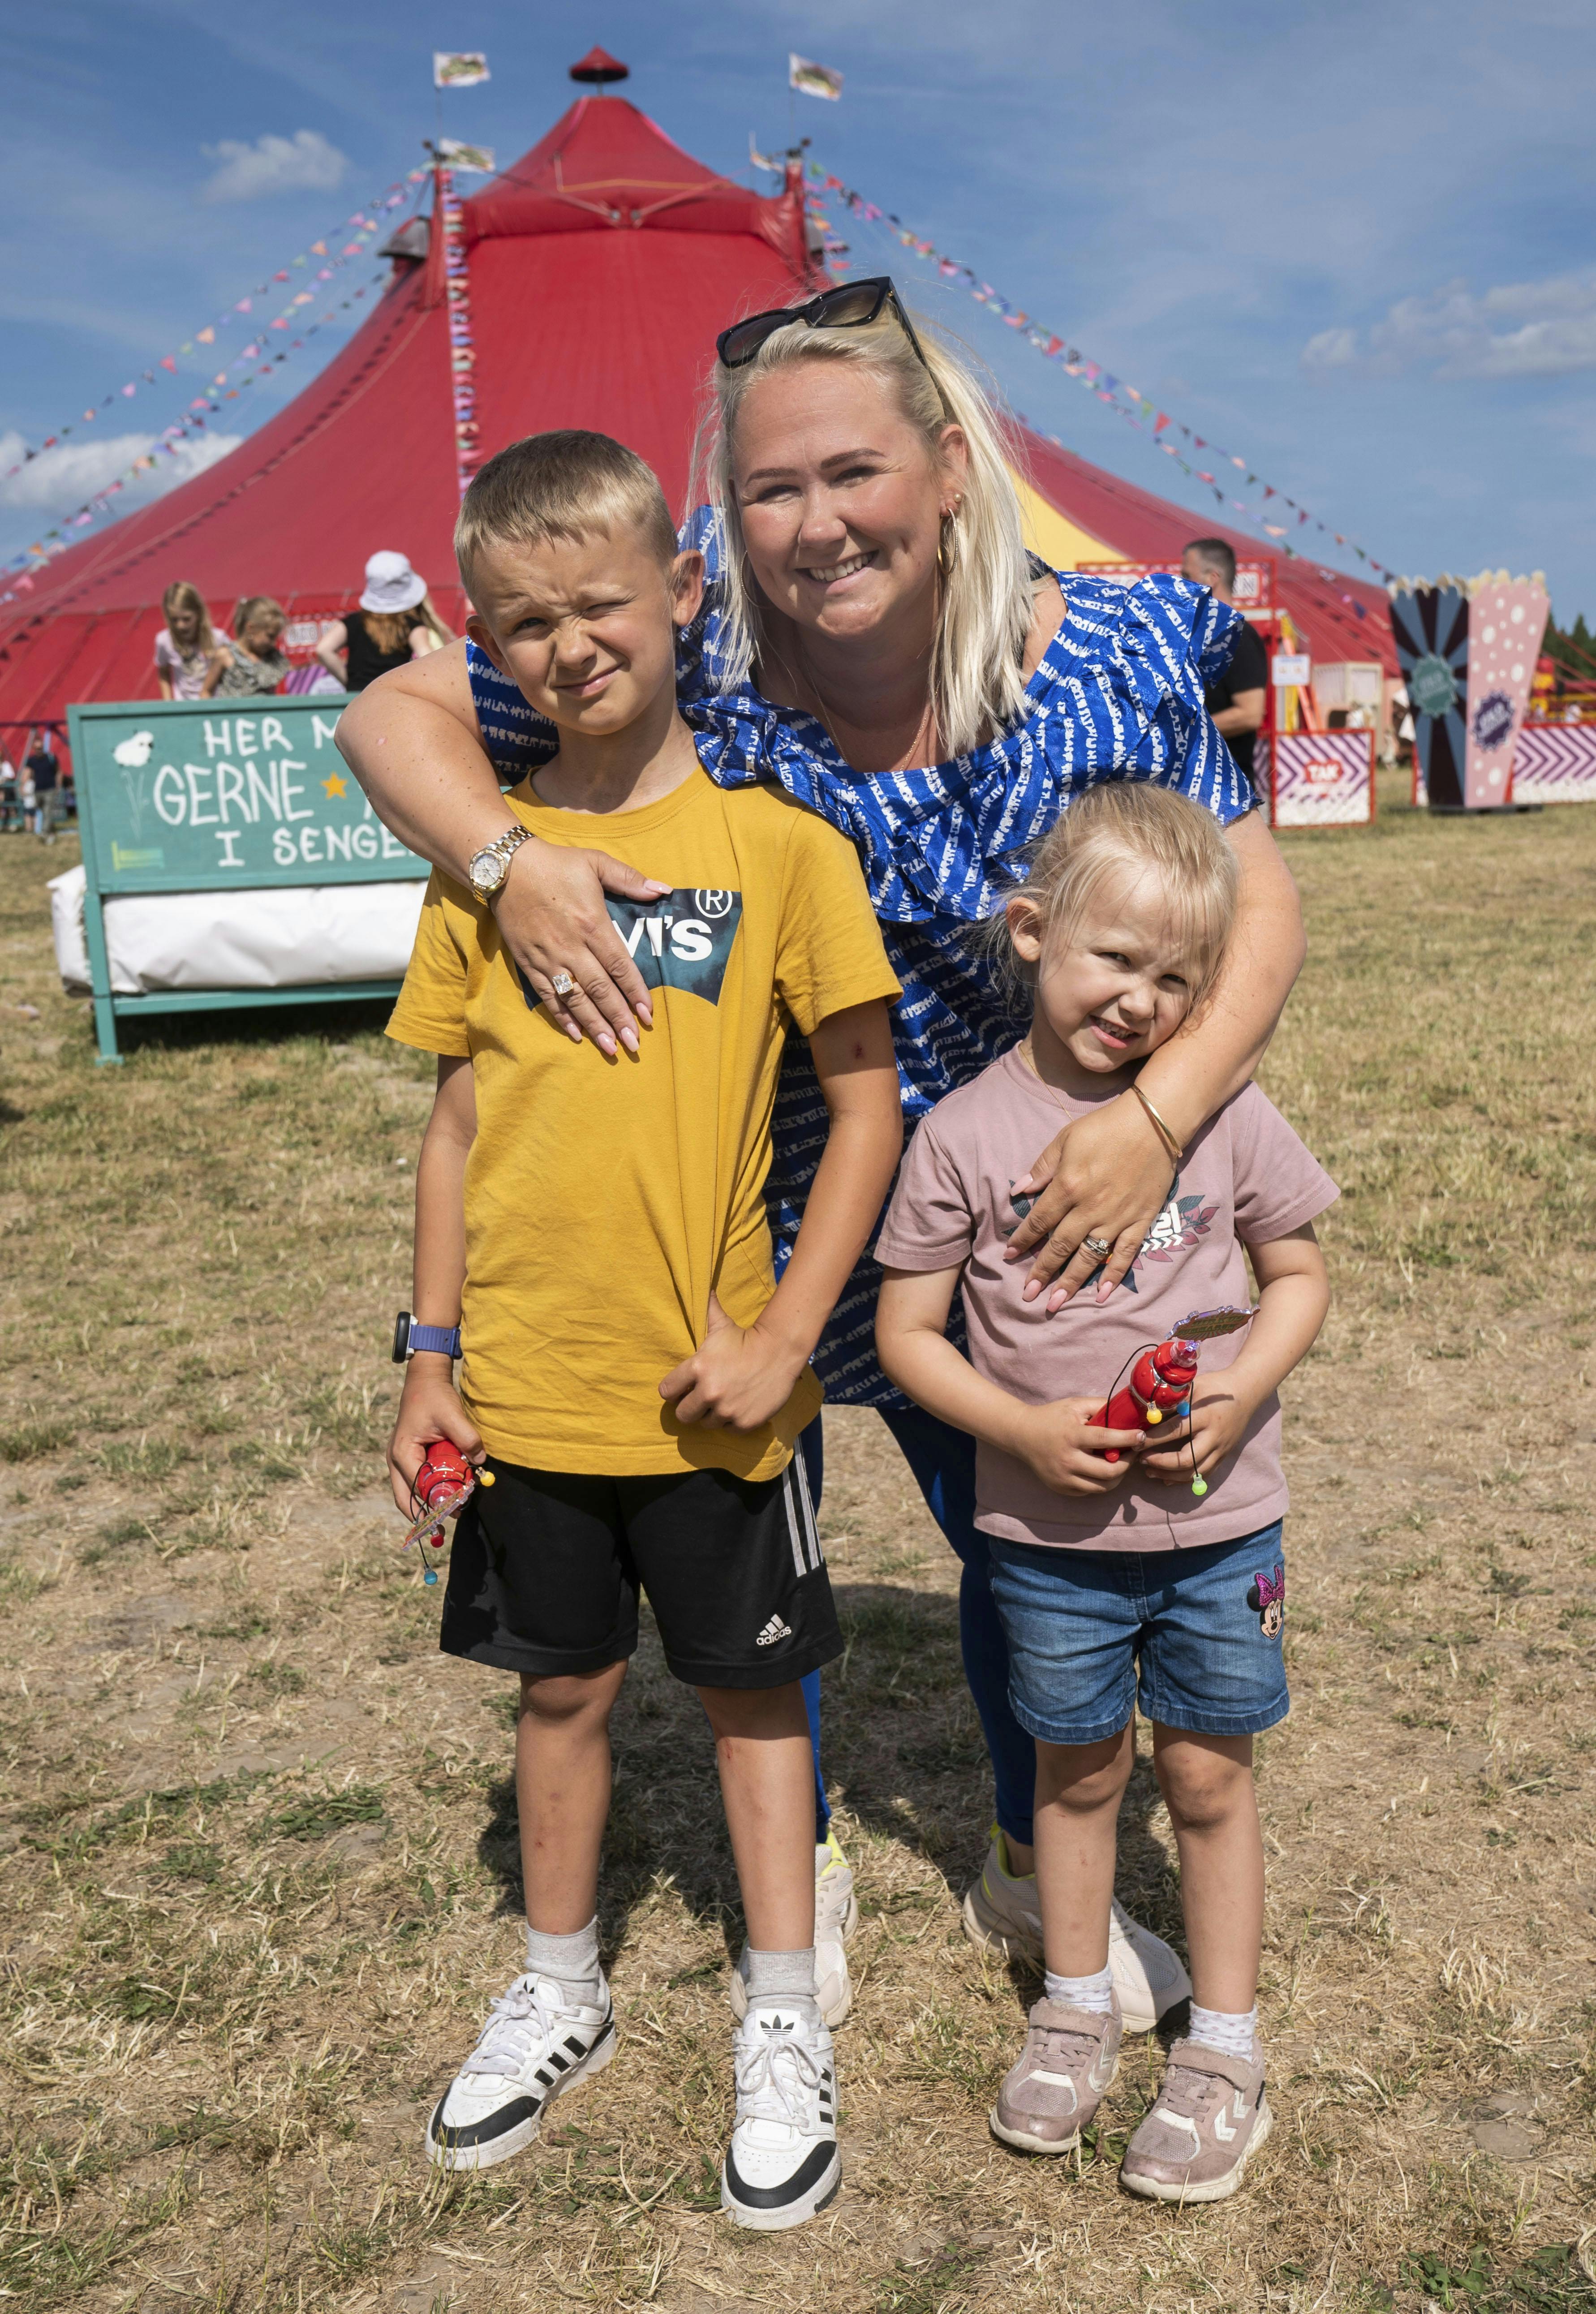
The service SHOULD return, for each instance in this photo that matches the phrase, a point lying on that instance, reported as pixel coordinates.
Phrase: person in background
(43, 769)
(254, 663)
(1236, 701)
(11, 815)
(395, 624)
(187, 652)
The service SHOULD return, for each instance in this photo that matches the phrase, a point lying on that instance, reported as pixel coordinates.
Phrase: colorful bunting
(463, 352)
(366, 218)
(1101, 383)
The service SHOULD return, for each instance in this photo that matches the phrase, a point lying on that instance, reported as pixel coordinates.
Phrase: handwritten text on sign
(198, 798)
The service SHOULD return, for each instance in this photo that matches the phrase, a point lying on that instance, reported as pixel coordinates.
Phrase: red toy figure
(443, 1486)
(1161, 1380)
(1161, 1383)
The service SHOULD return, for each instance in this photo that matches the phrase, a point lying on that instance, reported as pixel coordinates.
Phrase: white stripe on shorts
(816, 1555)
(790, 1504)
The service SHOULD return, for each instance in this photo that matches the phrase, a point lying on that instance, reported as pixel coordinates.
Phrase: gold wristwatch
(489, 866)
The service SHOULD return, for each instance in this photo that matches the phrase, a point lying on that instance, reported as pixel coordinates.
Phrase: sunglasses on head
(851, 305)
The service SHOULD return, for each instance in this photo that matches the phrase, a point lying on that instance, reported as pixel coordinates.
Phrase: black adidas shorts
(546, 1568)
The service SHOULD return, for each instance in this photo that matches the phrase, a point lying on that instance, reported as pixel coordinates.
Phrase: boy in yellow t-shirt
(591, 1240)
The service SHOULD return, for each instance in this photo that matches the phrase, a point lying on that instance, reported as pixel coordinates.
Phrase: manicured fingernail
(573, 1032)
(606, 1046)
(628, 1038)
(656, 887)
(646, 1015)
(1031, 1289)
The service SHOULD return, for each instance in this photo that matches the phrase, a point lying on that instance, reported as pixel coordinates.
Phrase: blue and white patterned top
(1118, 695)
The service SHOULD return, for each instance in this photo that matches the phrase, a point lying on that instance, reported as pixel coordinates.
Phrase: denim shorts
(1193, 1638)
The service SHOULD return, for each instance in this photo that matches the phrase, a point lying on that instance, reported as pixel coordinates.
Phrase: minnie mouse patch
(1266, 1598)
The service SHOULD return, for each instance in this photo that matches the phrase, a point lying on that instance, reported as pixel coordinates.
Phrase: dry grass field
(258, 1872)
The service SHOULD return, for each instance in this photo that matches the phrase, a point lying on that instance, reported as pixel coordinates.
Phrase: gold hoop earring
(947, 542)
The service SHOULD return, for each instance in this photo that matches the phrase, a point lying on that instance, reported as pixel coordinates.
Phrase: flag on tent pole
(459, 67)
(813, 79)
(477, 160)
(758, 160)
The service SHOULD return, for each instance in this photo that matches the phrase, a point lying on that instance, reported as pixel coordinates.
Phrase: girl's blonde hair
(986, 606)
(258, 606)
(183, 594)
(1106, 841)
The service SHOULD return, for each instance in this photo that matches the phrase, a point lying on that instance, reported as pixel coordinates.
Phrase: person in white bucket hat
(395, 624)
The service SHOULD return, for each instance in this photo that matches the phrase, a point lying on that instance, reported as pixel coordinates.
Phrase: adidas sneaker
(782, 2165)
(536, 2044)
(836, 1916)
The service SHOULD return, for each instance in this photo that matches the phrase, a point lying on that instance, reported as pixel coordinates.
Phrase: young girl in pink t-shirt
(1156, 1577)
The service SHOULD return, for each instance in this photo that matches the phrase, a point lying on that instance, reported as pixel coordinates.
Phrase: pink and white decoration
(1506, 620)
(1555, 762)
(1317, 779)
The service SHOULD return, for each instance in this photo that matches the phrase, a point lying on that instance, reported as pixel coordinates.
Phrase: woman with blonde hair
(940, 695)
(395, 624)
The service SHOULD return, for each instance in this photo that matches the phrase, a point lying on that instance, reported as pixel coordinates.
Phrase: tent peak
(598, 67)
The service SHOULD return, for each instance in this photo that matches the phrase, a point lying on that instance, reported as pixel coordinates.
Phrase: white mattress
(291, 936)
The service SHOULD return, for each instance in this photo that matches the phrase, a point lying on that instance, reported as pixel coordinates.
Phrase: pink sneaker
(1071, 2055)
(1210, 2118)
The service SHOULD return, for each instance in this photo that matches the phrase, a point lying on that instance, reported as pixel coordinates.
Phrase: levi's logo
(681, 940)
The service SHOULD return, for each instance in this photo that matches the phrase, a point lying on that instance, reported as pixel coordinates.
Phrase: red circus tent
(602, 265)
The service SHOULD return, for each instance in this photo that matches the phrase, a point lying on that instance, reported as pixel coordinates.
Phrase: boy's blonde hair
(564, 484)
(1109, 837)
(986, 606)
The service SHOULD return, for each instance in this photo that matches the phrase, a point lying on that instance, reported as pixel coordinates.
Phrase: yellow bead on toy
(485, 1479)
(1153, 1415)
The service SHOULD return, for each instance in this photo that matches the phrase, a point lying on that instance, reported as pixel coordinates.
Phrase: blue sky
(1352, 245)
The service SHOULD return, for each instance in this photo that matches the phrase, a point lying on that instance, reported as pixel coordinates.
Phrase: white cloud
(59, 481)
(1518, 329)
(1331, 349)
(305, 163)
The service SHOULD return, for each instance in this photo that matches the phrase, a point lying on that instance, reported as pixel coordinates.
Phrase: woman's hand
(429, 1409)
(1064, 1446)
(553, 914)
(737, 1380)
(1107, 1175)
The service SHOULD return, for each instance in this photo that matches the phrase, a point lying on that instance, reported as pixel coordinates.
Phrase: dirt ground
(258, 1872)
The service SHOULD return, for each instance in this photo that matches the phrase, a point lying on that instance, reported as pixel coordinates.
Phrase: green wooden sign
(201, 796)
(184, 795)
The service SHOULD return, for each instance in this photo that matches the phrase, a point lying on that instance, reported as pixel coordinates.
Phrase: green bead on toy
(1199, 1486)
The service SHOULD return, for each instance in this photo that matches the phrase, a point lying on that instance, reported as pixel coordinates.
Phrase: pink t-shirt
(1246, 1178)
(185, 670)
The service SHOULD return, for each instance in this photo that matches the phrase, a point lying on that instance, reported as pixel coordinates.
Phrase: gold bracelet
(1164, 1133)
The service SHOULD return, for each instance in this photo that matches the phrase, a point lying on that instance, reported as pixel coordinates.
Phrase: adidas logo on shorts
(774, 1630)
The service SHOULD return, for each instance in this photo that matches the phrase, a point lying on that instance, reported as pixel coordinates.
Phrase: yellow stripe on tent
(1053, 535)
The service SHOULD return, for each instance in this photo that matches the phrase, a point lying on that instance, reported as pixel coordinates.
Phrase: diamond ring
(1098, 1248)
(561, 984)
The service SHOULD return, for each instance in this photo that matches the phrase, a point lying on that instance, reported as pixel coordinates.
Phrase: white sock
(1231, 2035)
(572, 1962)
(1095, 1993)
(779, 1979)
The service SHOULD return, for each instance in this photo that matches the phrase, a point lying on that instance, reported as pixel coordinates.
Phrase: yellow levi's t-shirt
(605, 1199)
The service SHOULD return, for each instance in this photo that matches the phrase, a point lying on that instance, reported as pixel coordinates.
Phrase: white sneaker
(782, 2164)
(1002, 1914)
(836, 1916)
(536, 2044)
